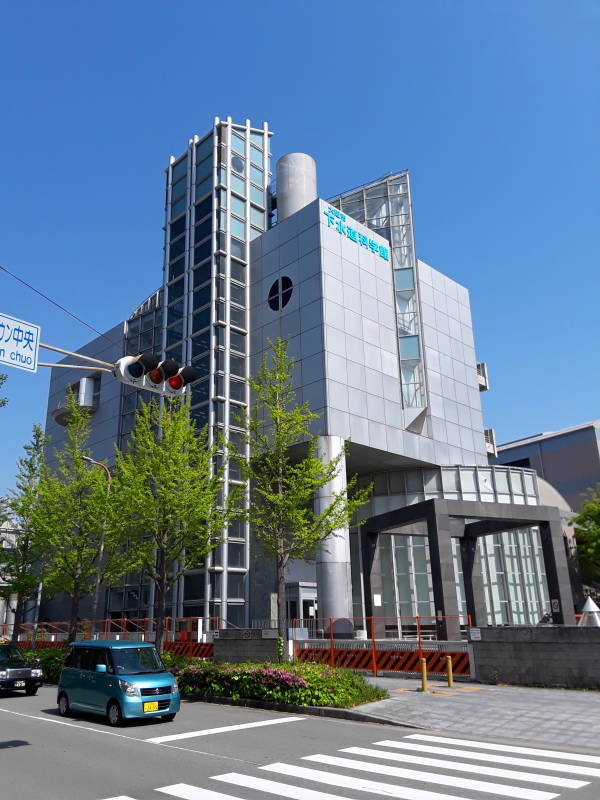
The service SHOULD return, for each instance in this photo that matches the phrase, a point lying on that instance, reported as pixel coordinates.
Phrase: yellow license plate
(153, 706)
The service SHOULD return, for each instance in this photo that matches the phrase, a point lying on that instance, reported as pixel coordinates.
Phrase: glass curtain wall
(385, 207)
(216, 204)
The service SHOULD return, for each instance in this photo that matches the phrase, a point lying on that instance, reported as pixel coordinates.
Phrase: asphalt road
(215, 752)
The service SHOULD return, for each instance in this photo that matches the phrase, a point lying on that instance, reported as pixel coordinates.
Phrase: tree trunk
(161, 591)
(75, 599)
(281, 604)
(18, 620)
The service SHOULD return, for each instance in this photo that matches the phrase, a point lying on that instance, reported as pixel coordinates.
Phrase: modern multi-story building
(569, 459)
(384, 354)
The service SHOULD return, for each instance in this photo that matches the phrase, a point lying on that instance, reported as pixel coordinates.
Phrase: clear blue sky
(492, 106)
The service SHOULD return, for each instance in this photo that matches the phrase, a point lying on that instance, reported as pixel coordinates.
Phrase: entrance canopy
(466, 520)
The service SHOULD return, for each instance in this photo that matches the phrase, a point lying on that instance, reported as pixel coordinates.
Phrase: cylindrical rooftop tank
(296, 183)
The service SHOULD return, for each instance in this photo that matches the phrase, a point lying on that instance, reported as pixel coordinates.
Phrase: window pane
(200, 392)
(178, 189)
(237, 391)
(179, 169)
(237, 316)
(202, 274)
(177, 228)
(257, 217)
(176, 290)
(409, 347)
(175, 312)
(177, 248)
(203, 208)
(204, 170)
(257, 176)
(202, 251)
(193, 587)
(236, 554)
(237, 365)
(403, 279)
(204, 188)
(176, 269)
(238, 206)
(238, 341)
(202, 296)
(238, 164)
(238, 144)
(257, 195)
(178, 207)
(238, 228)
(203, 229)
(204, 148)
(257, 139)
(238, 271)
(201, 320)
(235, 584)
(200, 416)
(238, 249)
(238, 294)
(202, 365)
(200, 344)
(238, 185)
(256, 157)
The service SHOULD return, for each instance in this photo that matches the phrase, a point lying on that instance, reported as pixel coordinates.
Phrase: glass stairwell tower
(216, 203)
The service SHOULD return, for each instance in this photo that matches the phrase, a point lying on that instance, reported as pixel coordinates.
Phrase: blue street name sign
(19, 343)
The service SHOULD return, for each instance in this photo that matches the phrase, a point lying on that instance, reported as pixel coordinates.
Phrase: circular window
(238, 164)
(280, 293)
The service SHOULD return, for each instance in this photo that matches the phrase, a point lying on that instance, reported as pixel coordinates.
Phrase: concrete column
(557, 572)
(296, 183)
(442, 573)
(334, 585)
(473, 580)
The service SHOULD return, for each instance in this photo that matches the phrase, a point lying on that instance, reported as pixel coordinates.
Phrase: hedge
(295, 683)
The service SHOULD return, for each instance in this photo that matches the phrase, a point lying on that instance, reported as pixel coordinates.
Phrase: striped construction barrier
(386, 660)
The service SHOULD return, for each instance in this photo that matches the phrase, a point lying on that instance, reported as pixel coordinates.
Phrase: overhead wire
(58, 305)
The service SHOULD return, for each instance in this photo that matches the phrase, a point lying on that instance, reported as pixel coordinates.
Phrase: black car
(16, 673)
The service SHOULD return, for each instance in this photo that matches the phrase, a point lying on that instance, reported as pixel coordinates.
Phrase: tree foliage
(72, 516)
(283, 488)
(166, 494)
(587, 534)
(19, 559)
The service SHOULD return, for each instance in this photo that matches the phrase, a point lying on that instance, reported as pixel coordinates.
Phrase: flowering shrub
(292, 683)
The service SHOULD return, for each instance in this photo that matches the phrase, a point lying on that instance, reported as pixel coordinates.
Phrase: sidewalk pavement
(548, 716)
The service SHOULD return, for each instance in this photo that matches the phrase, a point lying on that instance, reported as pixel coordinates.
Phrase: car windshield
(9, 655)
(136, 660)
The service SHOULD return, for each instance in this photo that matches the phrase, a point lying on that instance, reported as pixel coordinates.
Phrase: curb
(314, 711)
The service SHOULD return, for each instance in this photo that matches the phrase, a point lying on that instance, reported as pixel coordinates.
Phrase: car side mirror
(37, 661)
(100, 667)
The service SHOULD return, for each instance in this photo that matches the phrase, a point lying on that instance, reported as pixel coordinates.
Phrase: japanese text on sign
(19, 342)
(337, 220)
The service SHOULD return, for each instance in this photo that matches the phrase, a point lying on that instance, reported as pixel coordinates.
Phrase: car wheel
(31, 690)
(63, 705)
(113, 714)
(168, 717)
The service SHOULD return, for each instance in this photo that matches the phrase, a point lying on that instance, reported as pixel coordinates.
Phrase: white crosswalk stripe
(506, 748)
(477, 769)
(553, 766)
(410, 773)
(501, 790)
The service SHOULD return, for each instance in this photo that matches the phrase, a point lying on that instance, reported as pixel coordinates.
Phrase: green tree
(72, 516)
(3, 400)
(587, 534)
(168, 489)
(282, 487)
(20, 558)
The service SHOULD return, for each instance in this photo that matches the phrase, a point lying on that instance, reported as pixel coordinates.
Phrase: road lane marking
(505, 748)
(188, 792)
(500, 790)
(225, 729)
(478, 769)
(577, 769)
(284, 789)
(358, 784)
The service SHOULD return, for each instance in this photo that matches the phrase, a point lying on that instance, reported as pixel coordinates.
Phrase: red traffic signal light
(147, 371)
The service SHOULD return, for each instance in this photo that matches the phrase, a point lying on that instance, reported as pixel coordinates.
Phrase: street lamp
(98, 581)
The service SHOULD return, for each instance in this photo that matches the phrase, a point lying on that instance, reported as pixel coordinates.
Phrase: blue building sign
(337, 220)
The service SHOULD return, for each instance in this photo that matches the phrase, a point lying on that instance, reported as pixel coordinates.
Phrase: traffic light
(147, 371)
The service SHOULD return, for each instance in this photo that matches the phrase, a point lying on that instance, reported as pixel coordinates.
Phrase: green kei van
(121, 680)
